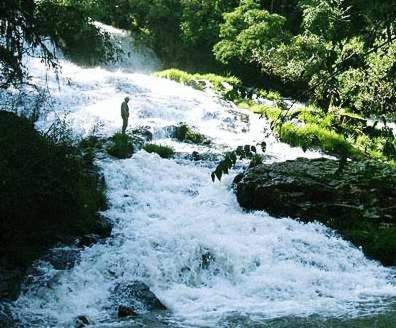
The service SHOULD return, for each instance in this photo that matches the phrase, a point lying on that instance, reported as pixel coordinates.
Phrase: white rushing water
(184, 236)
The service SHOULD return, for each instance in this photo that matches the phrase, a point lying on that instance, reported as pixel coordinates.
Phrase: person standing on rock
(125, 114)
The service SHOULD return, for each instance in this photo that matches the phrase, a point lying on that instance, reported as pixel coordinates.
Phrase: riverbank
(51, 194)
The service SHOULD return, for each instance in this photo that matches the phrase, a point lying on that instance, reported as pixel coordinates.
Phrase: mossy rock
(185, 133)
(358, 200)
(121, 146)
(162, 151)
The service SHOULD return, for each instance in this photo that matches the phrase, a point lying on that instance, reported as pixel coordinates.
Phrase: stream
(209, 262)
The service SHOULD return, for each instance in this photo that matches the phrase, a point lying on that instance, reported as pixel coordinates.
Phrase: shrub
(48, 191)
(121, 146)
(163, 151)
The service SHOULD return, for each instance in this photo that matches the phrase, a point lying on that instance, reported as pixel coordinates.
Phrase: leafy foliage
(27, 25)
(242, 152)
(71, 29)
(246, 30)
(19, 35)
(49, 190)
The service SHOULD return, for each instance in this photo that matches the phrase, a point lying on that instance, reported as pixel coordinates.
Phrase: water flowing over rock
(356, 199)
(182, 236)
(138, 296)
(125, 311)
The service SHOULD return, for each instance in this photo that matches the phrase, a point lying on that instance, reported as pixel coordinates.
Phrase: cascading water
(208, 261)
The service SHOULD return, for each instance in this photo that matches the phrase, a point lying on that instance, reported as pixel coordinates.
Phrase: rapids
(208, 261)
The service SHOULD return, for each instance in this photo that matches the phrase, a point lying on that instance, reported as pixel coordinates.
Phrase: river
(168, 216)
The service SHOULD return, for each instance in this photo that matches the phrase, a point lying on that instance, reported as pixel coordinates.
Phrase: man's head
(126, 99)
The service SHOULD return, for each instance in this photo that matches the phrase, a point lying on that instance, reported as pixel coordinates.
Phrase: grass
(338, 132)
(225, 86)
(313, 136)
(163, 151)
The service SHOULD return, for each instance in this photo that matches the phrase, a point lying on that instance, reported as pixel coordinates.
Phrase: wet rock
(121, 146)
(205, 156)
(358, 201)
(137, 295)
(63, 258)
(82, 321)
(143, 132)
(125, 311)
(103, 226)
(88, 240)
(10, 282)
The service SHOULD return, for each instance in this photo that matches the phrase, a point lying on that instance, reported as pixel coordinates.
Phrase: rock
(88, 240)
(10, 282)
(138, 296)
(125, 311)
(63, 258)
(144, 133)
(358, 201)
(103, 226)
(120, 146)
(82, 321)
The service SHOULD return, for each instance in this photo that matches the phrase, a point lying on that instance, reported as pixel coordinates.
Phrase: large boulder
(136, 296)
(358, 199)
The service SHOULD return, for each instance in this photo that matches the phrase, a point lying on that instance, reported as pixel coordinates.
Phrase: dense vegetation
(336, 53)
(49, 189)
(333, 52)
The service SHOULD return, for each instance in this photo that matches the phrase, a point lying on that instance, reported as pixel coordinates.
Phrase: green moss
(163, 151)
(377, 242)
(313, 136)
(270, 95)
(225, 86)
(270, 112)
(121, 146)
(185, 133)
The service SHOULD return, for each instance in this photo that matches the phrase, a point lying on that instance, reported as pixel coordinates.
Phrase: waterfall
(185, 237)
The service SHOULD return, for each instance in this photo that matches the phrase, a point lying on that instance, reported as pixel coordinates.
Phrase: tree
(19, 36)
(248, 30)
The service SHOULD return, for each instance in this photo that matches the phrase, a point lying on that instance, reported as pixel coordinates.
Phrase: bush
(185, 133)
(121, 146)
(163, 151)
(49, 191)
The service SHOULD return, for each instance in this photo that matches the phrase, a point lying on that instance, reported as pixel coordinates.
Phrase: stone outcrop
(357, 199)
(136, 296)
